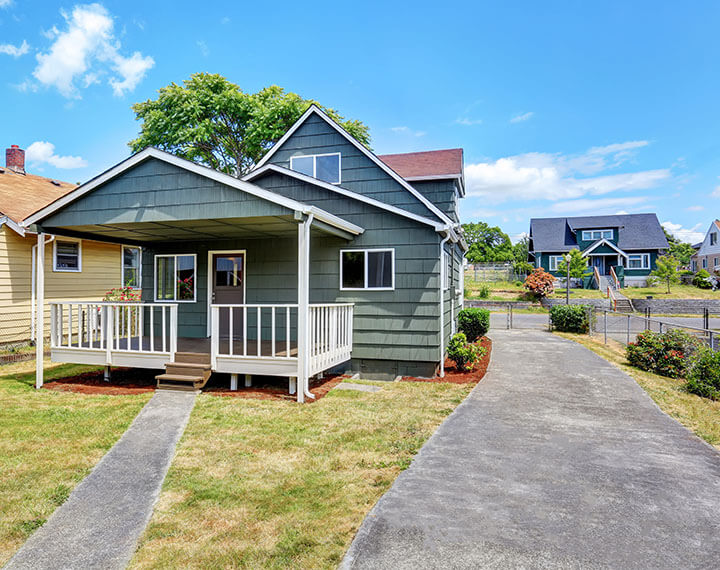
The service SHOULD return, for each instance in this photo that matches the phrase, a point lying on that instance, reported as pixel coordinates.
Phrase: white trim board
(603, 241)
(221, 177)
(13, 225)
(79, 254)
(389, 171)
(343, 191)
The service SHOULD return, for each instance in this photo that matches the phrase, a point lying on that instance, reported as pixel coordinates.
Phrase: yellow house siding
(101, 271)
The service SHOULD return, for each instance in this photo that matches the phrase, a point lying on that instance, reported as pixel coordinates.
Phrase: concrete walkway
(100, 523)
(557, 459)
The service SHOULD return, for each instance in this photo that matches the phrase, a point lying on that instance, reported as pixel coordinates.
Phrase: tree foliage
(211, 121)
(678, 249)
(486, 243)
(578, 265)
(666, 270)
(521, 250)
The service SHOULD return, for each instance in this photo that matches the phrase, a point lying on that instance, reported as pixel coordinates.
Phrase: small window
(594, 235)
(713, 238)
(704, 262)
(131, 267)
(639, 261)
(324, 167)
(555, 261)
(175, 277)
(367, 269)
(67, 256)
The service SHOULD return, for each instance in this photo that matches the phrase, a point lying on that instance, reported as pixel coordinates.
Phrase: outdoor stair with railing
(189, 371)
(619, 302)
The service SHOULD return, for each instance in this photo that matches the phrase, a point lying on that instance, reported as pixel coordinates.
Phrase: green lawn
(258, 483)
(49, 441)
(698, 414)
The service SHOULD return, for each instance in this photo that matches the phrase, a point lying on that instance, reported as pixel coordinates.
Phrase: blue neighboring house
(628, 244)
(325, 256)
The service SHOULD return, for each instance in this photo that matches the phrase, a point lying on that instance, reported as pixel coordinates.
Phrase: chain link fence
(492, 273)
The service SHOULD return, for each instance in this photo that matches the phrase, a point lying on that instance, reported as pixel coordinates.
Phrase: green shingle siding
(441, 193)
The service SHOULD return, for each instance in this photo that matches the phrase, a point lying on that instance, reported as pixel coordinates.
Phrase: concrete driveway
(556, 460)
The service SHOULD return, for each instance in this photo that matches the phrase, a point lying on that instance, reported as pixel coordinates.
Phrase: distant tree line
(490, 244)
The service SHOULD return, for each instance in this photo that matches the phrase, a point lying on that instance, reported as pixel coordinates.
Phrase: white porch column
(40, 311)
(303, 302)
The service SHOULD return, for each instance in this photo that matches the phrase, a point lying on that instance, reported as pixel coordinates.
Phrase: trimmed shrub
(702, 280)
(571, 318)
(540, 283)
(474, 323)
(464, 354)
(704, 376)
(668, 354)
(483, 291)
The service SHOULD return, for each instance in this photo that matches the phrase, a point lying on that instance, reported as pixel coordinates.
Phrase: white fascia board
(14, 226)
(333, 220)
(344, 192)
(389, 171)
(601, 242)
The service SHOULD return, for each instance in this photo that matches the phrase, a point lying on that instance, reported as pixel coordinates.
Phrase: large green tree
(678, 249)
(212, 121)
(486, 243)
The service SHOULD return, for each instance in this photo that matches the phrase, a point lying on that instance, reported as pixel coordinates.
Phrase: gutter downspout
(441, 289)
(306, 303)
(33, 271)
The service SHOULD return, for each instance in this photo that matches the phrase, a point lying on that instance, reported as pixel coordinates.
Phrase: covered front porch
(226, 280)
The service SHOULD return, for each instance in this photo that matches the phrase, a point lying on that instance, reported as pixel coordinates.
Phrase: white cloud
(695, 208)
(86, 51)
(43, 152)
(691, 235)
(545, 176)
(15, 51)
(522, 117)
(716, 193)
(468, 122)
(598, 206)
(408, 131)
(203, 48)
(5, 3)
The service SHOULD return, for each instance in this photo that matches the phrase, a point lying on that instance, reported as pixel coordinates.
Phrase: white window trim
(365, 251)
(585, 234)
(704, 263)
(448, 270)
(554, 261)
(645, 257)
(155, 284)
(713, 235)
(122, 265)
(63, 270)
(314, 157)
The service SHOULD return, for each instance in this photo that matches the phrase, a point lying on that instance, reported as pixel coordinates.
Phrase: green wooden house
(622, 248)
(325, 256)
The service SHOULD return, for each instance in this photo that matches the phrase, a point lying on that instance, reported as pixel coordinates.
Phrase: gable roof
(254, 174)
(600, 242)
(221, 177)
(313, 109)
(635, 231)
(24, 194)
(428, 165)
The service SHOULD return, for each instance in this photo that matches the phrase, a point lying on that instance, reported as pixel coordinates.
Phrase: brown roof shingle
(25, 194)
(428, 163)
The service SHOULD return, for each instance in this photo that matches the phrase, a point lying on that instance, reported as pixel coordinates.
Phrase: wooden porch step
(178, 387)
(181, 381)
(192, 357)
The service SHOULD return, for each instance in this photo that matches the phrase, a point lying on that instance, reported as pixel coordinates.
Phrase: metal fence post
(706, 318)
(712, 342)
(605, 325)
(628, 330)
(511, 316)
(507, 316)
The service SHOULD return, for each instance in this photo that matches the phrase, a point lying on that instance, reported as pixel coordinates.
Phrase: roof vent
(55, 182)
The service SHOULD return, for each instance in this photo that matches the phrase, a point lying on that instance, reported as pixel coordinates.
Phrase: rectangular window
(639, 261)
(131, 267)
(704, 262)
(367, 269)
(555, 261)
(713, 238)
(175, 277)
(324, 167)
(594, 235)
(67, 256)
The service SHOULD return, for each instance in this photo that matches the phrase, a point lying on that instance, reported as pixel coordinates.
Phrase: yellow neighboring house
(75, 269)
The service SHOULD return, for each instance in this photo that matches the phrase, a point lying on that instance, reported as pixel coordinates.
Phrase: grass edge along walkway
(700, 415)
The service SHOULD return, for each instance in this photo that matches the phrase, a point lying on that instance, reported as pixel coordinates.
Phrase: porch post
(40, 311)
(302, 288)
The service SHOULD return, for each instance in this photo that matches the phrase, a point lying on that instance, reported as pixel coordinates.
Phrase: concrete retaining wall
(677, 306)
(598, 303)
(498, 305)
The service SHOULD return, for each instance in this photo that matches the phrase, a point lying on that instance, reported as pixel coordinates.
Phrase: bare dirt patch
(124, 381)
(266, 388)
(455, 376)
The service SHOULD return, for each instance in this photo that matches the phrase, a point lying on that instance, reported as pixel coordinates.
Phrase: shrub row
(473, 324)
(571, 318)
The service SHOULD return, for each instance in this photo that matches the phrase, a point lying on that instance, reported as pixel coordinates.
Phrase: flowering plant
(123, 295)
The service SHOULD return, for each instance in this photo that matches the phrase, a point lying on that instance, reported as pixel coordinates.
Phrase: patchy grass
(676, 292)
(698, 414)
(259, 483)
(49, 441)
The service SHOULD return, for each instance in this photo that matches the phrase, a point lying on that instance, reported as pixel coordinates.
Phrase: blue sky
(563, 108)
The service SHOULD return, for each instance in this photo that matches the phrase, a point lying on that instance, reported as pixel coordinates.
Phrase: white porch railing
(148, 328)
(330, 341)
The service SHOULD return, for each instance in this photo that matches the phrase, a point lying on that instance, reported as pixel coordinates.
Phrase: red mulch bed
(454, 376)
(267, 388)
(123, 381)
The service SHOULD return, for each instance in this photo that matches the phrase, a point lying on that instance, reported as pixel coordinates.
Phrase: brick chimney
(15, 158)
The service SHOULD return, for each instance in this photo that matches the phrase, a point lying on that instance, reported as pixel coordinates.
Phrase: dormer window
(594, 235)
(324, 167)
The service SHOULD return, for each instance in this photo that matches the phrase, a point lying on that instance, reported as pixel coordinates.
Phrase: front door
(599, 262)
(228, 282)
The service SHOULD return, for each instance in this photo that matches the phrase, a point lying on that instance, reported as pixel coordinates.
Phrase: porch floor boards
(202, 346)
